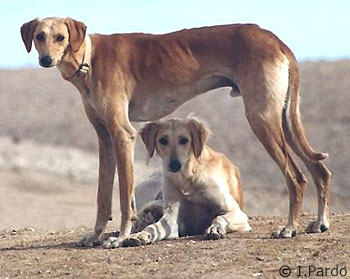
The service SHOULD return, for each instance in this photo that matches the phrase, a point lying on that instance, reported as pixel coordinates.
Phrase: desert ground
(29, 253)
(48, 176)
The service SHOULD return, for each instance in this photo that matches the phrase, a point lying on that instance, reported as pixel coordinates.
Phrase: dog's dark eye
(60, 38)
(183, 141)
(163, 141)
(40, 37)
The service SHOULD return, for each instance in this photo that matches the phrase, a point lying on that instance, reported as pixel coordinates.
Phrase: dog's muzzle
(45, 61)
(174, 166)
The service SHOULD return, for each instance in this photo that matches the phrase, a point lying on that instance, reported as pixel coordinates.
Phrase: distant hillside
(38, 105)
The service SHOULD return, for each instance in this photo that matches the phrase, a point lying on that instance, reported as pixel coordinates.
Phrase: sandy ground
(30, 253)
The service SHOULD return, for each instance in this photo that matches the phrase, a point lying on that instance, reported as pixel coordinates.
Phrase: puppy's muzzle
(174, 166)
(45, 61)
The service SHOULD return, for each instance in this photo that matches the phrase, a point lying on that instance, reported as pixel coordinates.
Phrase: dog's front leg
(123, 136)
(166, 228)
(105, 179)
(234, 220)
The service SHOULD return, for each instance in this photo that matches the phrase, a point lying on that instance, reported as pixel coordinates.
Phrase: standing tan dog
(142, 77)
(201, 188)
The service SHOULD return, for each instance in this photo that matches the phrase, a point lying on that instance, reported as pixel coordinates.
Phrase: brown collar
(84, 67)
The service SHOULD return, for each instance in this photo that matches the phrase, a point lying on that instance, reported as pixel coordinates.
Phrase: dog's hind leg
(264, 103)
(296, 138)
(269, 132)
(321, 176)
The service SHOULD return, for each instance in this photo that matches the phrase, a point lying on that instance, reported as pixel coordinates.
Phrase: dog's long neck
(72, 61)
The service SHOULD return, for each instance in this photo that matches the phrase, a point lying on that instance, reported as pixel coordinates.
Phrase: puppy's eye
(40, 37)
(60, 38)
(183, 141)
(163, 141)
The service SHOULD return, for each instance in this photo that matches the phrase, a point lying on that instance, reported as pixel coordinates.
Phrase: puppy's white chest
(185, 188)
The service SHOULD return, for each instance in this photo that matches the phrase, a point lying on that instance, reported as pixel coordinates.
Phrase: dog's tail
(292, 125)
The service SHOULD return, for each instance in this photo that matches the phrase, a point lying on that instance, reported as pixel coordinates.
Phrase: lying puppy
(201, 188)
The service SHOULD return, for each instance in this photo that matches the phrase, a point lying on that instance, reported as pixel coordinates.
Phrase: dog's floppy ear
(77, 31)
(148, 134)
(199, 134)
(27, 32)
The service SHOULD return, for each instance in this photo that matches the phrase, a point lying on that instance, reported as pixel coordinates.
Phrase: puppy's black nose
(174, 166)
(45, 61)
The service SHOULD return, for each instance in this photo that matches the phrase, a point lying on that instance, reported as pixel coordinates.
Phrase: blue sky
(314, 29)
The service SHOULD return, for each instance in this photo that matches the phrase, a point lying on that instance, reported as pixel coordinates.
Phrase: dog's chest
(191, 191)
(186, 188)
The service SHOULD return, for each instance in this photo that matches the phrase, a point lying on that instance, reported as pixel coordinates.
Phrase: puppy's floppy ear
(148, 134)
(199, 134)
(77, 31)
(27, 32)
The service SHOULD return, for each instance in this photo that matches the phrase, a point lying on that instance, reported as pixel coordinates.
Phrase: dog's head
(175, 141)
(53, 38)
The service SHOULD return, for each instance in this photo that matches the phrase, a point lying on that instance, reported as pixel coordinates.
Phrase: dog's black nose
(45, 61)
(174, 166)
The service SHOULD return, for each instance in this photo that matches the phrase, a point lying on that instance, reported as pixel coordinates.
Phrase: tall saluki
(144, 77)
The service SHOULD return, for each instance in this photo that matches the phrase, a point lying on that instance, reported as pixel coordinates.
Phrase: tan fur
(143, 77)
(203, 195)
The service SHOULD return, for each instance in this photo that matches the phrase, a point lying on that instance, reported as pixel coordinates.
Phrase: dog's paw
(285, 232)
(113, 242)
(134, 240)
(137, 239)
(214, 232)
(317, 227)
(90, 240)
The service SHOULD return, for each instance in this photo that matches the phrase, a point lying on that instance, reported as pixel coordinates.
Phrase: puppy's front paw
(133, 241)
(90, 240)
(113, 242)
(137, 239)
(214, 232)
